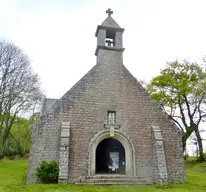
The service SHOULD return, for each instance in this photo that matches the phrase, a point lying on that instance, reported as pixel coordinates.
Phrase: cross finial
(109, 11)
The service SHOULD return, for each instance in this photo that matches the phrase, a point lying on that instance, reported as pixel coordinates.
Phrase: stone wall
(44, 144)
(109, 86)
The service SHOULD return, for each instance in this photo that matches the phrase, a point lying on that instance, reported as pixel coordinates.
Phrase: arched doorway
(124, 140)
(110, 157)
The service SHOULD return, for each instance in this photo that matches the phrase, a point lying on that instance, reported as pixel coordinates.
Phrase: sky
(58, 35)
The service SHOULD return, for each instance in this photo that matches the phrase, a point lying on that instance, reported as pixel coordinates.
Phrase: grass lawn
(12, 176)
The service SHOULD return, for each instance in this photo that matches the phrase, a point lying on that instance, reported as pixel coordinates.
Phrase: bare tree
(19, 87)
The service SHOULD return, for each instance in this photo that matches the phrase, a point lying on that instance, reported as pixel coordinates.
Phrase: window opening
(110, 38)
(111, 117)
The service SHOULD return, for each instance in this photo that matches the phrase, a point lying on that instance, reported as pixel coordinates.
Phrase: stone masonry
(159, 155)
(71, 129)
(64, 152)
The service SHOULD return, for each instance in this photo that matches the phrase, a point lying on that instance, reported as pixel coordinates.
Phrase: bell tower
(109, 41)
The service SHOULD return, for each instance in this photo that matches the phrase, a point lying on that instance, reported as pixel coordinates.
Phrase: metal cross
(109, 11)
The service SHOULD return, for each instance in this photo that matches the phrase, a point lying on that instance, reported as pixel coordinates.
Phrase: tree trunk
(20, 148)
(199, 140)
(185, 136)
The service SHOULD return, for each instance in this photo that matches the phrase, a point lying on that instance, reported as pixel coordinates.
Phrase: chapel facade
(107, 129)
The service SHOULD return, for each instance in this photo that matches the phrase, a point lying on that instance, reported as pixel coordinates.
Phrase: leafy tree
(19, 88)
(181, 91)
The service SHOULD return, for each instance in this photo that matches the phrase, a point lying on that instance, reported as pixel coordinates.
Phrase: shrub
(47, 172)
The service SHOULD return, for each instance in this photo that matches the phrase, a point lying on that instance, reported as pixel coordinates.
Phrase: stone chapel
(107, 129)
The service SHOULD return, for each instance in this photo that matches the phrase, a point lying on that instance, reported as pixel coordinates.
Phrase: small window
(110, 38)
(111, 117)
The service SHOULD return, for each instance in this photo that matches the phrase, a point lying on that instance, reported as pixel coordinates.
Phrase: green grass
(12, 176)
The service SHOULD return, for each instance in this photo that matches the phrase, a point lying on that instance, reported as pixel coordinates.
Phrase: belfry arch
(125, 142)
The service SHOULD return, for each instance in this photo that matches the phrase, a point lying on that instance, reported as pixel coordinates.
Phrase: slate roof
(48, 106)
(110, 22)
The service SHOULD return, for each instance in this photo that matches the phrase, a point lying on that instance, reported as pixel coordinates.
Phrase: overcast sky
(58, 35)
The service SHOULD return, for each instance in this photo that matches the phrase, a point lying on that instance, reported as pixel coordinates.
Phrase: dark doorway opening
(110, 157)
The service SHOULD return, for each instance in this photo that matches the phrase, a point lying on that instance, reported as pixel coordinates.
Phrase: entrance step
(111, 180)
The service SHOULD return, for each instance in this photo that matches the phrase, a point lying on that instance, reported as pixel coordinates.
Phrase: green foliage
(18, 140)
(180, 89)
(48, 172)
(177, 81)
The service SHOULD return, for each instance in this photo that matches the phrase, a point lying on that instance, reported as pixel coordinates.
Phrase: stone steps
(111, 180)
(109, 183)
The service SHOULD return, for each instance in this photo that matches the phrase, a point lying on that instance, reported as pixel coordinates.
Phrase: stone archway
(129, 152)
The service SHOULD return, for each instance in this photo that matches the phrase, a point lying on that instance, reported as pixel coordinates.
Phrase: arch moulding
(129, 151)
